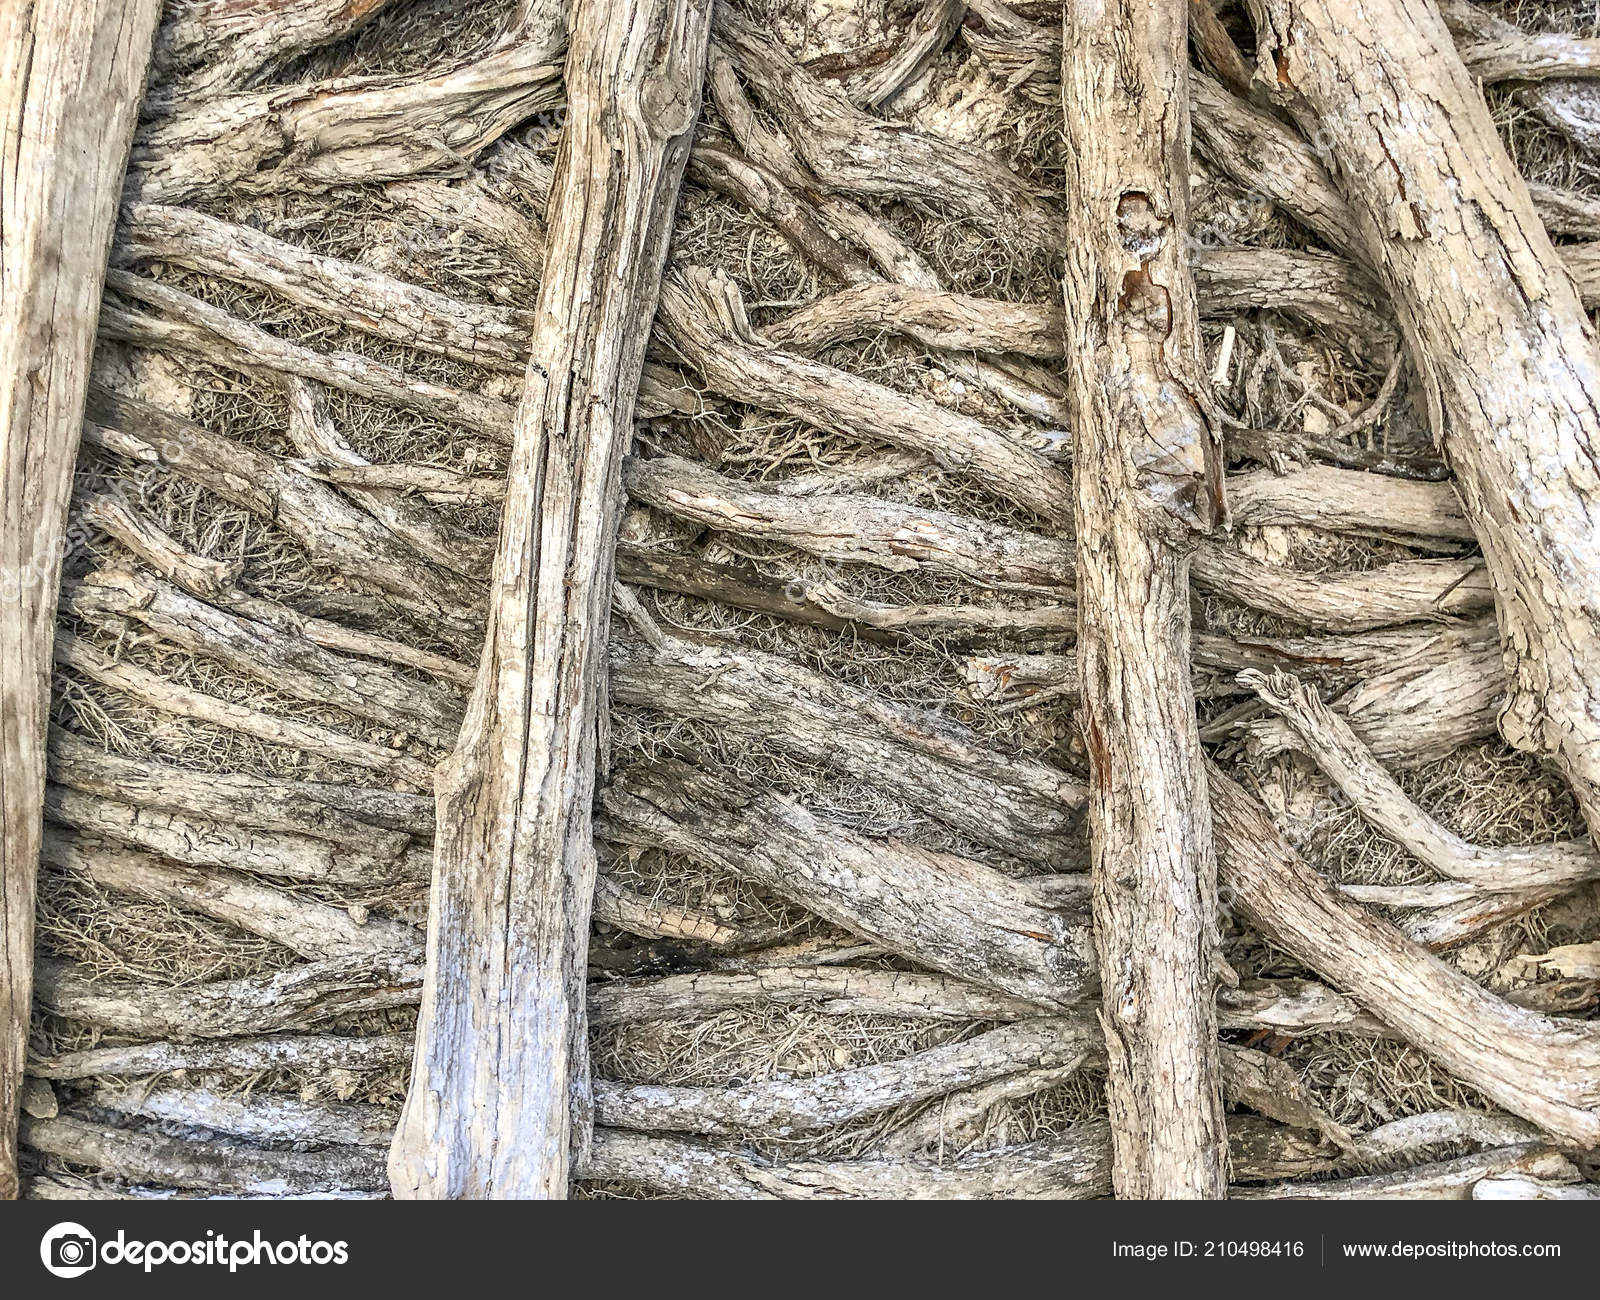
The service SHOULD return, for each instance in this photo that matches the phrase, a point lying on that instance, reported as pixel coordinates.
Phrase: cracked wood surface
(1144, 475)
(499, 1100)
(71, 76)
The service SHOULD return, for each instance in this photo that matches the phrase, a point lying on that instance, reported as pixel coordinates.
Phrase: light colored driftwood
(1146, 473)
(1335, 748)
(201, 842)
(1022, 807)
(214, 1166)
(71, 76)
(1570, 105)
(1523, 1187)
(501, 1114)
(703, 321)
(825, 604)
(1075, 1166)
(855, 529)
(260, 1117)
(300, 997)
(312, 929)
(210, 333)
(1347, 501)
(285, 662)
(1445, 1180)
(1023, 937)
(368, 821)
(213, 581)
(332, 530)
(157, 692)
(1505, 350)
(312, 1054)
(1542, 1069)
(207, 47)
(316, 135)
(780, 1108)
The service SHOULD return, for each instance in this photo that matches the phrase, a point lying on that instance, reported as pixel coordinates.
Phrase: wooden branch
(300, 997)
(314, 136)
(71, 76)
(208, 47)
(312, 1054)
(312, 929)
(1448, 1180)
(157, 692)
(332, 530)
(1347, 501)
(1336, 749)
(1545, 1070)
(704, 323)
(946, 913)
(784, 1107)
(371, 821)
(856, 529)
(1022, 807)
(214, 1166)
(1495, 325)
(1145, 471)
(500, 1115)
(261, 1117)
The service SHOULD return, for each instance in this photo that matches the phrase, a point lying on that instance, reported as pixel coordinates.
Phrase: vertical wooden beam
(71, 76)
(1141, 454)
(499, 1102)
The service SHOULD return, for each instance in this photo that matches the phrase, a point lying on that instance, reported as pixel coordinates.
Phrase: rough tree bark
(71, 74)
(499, 1096)
(1140, 471)
(1506, 354)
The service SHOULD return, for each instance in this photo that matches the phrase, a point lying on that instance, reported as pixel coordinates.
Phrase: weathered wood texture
(1506, 353)
(71, 75)
(1140, 459)
(499, 1093)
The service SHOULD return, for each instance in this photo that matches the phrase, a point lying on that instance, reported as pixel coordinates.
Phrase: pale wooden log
(213, 581)
(501, 1115)
(1356, 601)
(50, 1188)
(283, 661)
(260, 1117)
(1571, 106)
(1347, 501)
(1445, 1180)
(780, 1108)
(332, 530)
(1022, 807)
(309, 1054)
(1494, 323)
(172, 1162)
(1522, 1187)
(1324, 291)
(300, 997)
(208, 332)
(433, 483)
(1350, 765)
(420, 527)
(914, 51)
(1021, 937)
(1565, 212)
(855, 529)
(207, 47)
(1146, 472)
(1073, 1167)
(703, 321)
(317, 135)
(312, 929)
(373, 822)
(887, 534)
(1292, 1008)
(825, 604)
(374, 302)
(203, 843)
(1410, 1134)
(165, 696)
(71, 76)
(952, 1123)
(1545, 1070)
